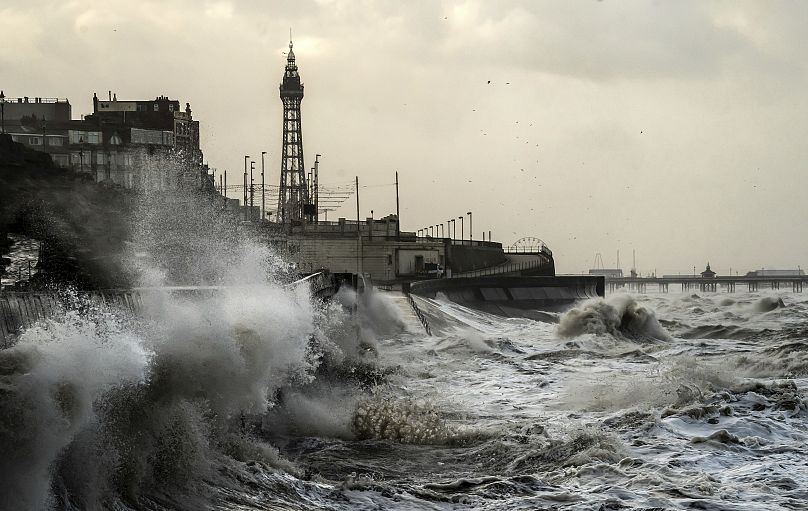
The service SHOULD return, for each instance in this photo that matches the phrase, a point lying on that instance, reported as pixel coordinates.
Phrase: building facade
(134, 144)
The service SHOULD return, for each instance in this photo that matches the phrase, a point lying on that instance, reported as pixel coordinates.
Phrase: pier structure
(708, 284)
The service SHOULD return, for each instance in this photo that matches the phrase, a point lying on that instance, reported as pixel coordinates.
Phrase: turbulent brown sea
(261, 397)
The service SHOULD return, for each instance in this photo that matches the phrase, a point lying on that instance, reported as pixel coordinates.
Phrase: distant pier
(705, 284)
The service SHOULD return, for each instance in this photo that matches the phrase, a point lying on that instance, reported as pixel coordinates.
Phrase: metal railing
(504, 268)
(525, 249)
(419, 315)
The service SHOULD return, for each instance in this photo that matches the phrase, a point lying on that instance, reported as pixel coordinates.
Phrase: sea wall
(462, 258)
(21, 310)
(514, 296)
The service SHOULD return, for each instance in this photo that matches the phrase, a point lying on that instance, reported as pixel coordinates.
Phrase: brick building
(135, 144)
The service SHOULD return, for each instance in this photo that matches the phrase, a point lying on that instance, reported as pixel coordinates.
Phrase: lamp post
(454, 229)
(81, 154)
(471, 230)
(461, 228)
(263, 201)
(2, 112)
(244, 182)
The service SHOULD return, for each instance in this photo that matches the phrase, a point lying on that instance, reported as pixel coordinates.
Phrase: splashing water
(258, 396)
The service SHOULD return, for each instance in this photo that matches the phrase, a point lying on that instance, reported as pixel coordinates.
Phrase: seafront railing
(419, 314)
(511, 267)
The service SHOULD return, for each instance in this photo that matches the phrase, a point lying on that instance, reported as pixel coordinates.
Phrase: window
(171, 107)
(34, 140)
(55, 141)
(141, 107)
(156, 107)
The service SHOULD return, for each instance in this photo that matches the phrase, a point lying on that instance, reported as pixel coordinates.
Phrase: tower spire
(293, 194)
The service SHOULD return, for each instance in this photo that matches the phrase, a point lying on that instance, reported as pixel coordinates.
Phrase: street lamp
(2, 112)
(461, 227)
(263, 201)
(244, 182)
(471, 230)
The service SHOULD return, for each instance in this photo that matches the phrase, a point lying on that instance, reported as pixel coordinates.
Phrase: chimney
(110, 95)
(95, 102)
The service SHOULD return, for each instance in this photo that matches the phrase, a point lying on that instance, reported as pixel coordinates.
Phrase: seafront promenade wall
(21, 310)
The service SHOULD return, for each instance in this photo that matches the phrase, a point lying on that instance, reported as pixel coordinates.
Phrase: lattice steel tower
(293, 196)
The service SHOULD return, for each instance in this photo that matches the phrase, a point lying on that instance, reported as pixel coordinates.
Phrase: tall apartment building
(135, 144)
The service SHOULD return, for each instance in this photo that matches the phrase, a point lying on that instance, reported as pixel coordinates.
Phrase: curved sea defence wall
(515, 296)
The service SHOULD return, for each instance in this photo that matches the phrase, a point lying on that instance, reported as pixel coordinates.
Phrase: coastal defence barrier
(20, 310)
(507, 296)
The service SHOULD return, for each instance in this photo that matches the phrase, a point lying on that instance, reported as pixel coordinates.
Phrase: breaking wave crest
(98, 407)
(619, 315)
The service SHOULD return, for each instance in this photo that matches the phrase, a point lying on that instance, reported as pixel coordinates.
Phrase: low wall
(515, 296)
(22, 310)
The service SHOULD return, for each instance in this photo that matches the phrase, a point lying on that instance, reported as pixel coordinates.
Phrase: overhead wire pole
(317, 188)
(252, 190)
(398, 215)
(358, 231)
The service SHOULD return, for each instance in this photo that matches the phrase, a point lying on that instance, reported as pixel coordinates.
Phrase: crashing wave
(619, 315)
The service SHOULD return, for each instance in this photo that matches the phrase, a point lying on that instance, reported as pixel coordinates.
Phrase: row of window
(51, 141)
(152, 137)
(142, 107)
(139, 136)
(87, 157)
(84, 137)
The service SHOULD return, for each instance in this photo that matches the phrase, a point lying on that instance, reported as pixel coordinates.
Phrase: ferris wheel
(529, 245)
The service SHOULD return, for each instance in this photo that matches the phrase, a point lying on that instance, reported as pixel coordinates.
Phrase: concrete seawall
(515, 296)
(21, 310)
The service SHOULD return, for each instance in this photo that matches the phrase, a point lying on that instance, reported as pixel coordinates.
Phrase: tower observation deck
(293, 199)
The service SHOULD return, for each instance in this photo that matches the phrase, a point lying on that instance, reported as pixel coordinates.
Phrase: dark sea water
(259, 397)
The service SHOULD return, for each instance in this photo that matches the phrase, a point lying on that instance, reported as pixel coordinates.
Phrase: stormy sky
(676, 129)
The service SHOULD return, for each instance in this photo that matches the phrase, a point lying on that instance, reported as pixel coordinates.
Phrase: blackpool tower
(293, 200)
